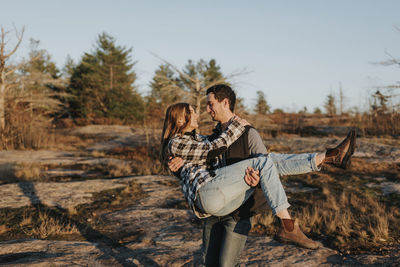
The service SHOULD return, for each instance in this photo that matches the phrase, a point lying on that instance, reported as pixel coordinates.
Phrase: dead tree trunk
(2, 103)
(4, 71)
(198, 96)
(2, 92)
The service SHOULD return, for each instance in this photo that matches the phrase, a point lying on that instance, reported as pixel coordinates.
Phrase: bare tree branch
(19, 40)
(182, 74)
(14, 69)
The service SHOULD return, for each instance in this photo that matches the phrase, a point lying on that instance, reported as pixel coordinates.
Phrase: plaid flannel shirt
(193, 149)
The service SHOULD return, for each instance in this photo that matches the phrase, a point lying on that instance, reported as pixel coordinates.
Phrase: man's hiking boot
(340, 156)
(290, 232)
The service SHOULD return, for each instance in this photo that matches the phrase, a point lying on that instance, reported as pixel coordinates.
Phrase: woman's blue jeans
(228, 190)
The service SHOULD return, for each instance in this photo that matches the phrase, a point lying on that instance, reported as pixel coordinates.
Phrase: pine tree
(103, 83)
(165, 87)
(40, 84)
(40, 73)
(69, 67)
(196, 78)
(330, 105)
(379, 106)
(262, 106)
(317, 111)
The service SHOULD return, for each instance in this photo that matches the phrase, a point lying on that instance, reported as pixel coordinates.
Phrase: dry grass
(28, 171)
(265, 222)
(72, 210)
(68, 142)
(369, 125)
(3, 229)
(118, 168)
(26, 220)
(144, 159)
(25, 132)
(109, 168)
(65, 140)
(49, 226)
(36, 222)
(350, 223)
(11, 172)
(351, 220)
(97, 154)
(344, 213)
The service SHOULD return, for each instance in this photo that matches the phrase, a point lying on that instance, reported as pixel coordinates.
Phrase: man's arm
(256, 147)
(256, 144)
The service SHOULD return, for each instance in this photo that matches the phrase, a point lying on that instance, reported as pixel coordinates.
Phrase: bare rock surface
(39, 156)
(63, 194)
(48, 157)
(103, 130)
(157, 231)
(119, 136)
(49, 253)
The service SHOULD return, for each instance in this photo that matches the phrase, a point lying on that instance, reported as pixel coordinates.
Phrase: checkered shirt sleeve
(195, 150)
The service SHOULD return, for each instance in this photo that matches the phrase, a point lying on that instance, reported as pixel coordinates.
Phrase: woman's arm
(193, 150)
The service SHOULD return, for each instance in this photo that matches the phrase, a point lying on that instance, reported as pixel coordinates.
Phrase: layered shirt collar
(192, 133)
(218, 128)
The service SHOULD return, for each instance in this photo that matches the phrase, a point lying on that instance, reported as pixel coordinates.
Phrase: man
(224, 237)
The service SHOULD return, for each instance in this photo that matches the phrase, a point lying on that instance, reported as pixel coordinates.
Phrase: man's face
(217, 110)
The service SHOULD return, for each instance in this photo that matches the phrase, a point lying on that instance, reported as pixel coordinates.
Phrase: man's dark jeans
(224, 240)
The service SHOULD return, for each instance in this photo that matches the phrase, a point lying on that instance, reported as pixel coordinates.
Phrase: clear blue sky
(297, 52)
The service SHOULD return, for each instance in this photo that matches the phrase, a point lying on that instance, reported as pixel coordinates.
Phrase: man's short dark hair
(222, 91)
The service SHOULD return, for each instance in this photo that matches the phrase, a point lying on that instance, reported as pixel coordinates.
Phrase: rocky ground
(157, 229)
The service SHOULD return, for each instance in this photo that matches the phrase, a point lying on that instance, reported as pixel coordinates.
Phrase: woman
(223, 190)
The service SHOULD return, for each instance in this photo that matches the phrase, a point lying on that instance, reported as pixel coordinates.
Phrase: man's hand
(252, 177)
(174, 164)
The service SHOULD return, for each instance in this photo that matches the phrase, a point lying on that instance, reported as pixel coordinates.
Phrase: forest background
(37, 96)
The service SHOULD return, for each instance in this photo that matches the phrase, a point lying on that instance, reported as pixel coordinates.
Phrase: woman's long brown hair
(171, 127)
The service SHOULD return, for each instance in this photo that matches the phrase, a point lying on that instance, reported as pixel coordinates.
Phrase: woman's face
(193, 124)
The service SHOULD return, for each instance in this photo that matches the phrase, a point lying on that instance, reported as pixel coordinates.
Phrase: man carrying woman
(221, 191)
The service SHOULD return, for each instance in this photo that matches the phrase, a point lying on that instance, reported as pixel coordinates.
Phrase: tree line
(102, 85)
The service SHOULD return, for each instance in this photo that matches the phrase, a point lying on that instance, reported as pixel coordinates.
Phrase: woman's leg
(228, 190)
(293, 164)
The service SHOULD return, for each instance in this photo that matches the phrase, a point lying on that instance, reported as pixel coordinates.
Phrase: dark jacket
(238, 151)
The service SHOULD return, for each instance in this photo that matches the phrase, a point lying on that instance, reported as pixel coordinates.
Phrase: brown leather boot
(290, 232)
(340, 155)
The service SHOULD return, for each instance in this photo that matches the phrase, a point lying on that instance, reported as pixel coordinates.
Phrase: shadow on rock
(107, 245)
(26, 257)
